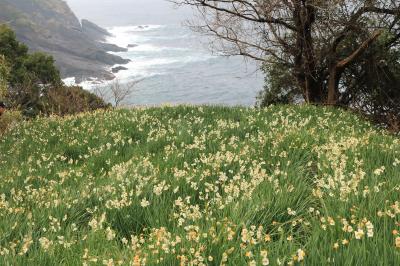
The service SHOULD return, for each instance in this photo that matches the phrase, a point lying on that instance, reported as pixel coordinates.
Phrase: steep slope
(51, 26)
(298, 185)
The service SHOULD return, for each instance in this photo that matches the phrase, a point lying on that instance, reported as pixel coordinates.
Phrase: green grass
(200, 186)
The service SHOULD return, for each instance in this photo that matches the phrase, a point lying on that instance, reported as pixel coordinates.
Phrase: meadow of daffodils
(200, 186)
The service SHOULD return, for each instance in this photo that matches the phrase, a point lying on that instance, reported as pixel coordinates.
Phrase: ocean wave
(150, 67)
(154, 48)
(88, 84)
(124, 39)
(134, 28)
(126, 35)
(69, 81)
(143, 64)
(149, 57)
(197, 58)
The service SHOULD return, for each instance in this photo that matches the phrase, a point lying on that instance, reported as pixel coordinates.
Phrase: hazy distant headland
(114, 13)
(50, 26)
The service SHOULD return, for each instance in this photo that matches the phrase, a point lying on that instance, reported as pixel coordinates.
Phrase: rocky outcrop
(93, 31)
(118, 69)
(111, 47)
(50, 26)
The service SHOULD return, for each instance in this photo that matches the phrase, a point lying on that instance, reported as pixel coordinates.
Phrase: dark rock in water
(108, 77)
(132, 45)
(111, 47)
(106, 58)
(118, 69)
(51, 27)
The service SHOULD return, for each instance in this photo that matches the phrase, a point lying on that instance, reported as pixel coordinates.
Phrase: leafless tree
(116, 92)
(316, 39)
(102, 92)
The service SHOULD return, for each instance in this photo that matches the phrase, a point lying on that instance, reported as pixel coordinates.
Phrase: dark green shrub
(65, 100)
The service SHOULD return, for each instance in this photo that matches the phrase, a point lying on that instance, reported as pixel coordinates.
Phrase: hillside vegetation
(200, 186)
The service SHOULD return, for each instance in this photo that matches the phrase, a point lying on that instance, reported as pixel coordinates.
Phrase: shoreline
(120, 37)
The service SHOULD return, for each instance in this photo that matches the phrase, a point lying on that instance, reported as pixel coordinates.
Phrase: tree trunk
(314, 90)
(333, 85)
(311, 87)
(336, 69)
(305, 62)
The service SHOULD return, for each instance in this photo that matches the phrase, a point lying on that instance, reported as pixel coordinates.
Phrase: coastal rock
(93, 31)
(106, 58)
(111, 47)
(118, 69)
(51, 27)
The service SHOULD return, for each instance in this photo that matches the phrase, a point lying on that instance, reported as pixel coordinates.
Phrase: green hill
(200, 186)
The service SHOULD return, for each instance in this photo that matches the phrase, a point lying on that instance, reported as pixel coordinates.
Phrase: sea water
(174, 64)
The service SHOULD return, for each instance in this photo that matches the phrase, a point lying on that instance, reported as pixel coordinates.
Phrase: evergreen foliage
(31, 82)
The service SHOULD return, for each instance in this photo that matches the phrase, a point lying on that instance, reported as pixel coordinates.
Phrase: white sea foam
(87, 84)
(134, 28)
(124, 39)
(153, 48)
(126, 35)
(69, 81)
(148, 57)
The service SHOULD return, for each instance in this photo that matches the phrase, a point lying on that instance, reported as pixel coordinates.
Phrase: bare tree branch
(307, 36)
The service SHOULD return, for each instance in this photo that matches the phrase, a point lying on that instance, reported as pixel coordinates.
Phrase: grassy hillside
(200, 186)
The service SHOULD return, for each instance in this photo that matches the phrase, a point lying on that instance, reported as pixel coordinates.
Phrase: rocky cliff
(50, 26)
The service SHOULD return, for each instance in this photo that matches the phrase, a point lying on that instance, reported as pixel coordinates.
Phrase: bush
(373, 86)
(65, 100)
(9, 119)
(369, 87)
(279, 88)
(4, 72)
(30, 82)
